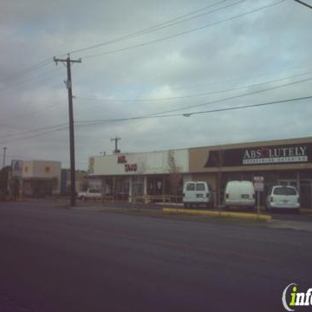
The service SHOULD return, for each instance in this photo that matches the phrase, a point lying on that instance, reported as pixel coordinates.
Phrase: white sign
(275, 155)
(259, 184)
(17, 167)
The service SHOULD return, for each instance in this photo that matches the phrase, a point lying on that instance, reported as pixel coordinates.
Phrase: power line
(32, 113)
(236, 96)
(166, 115)
(246, 106)
(191, 95)
(169, 23)
(221, 100)
(61, 126)
(165, 99)
(27, 70)
(181, 33)
(131, 35)
(37, 135)
(44, 75)
(80, 123)
(156, 116)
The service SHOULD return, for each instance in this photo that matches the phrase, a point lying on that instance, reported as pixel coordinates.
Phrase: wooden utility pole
(116, 151)
(4, 153)
(68, 62)
(305, 4)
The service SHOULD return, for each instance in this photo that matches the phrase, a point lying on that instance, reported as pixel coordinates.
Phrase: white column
(145, 185)
(130, 190)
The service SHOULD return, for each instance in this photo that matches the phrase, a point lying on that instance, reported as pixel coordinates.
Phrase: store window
(138, 186)
(155, 185)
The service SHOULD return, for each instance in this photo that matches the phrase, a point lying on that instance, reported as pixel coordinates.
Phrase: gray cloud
(261, 47)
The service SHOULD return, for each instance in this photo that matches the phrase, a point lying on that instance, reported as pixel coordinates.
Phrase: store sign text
(131, 167)
(275, 155)
(121, 160)
(128, 167)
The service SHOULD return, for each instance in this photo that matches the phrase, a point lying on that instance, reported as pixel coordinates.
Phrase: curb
(240, 215)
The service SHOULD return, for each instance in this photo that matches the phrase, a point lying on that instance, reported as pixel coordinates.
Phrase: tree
(175, 176)
(4, 177)
(219, 178)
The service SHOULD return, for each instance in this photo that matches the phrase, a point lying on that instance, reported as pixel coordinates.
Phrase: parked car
(197, 193)
(280, 196)
(90, 194)
(239, 194)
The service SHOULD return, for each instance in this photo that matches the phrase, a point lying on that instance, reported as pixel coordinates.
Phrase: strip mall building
(284, 162)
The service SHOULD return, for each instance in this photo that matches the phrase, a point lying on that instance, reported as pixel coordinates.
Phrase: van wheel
(185, 205)
(83, 198)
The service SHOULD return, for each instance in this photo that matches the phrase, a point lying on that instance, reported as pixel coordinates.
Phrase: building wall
(253, 156)
(37, 170)
(137, 164)
(41, 169)
(81, 181)
(28, 170)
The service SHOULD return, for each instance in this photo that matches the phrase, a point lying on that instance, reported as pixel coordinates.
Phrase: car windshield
(285, 191)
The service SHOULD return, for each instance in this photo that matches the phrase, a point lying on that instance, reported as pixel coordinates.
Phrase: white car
(281, 196)
(90, 194)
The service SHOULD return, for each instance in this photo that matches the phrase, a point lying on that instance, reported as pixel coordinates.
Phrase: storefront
(36, 178)
(132, 175)
(287, 162)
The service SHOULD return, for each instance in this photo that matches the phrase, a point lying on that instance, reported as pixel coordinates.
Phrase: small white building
(125, 175)
(41, 177)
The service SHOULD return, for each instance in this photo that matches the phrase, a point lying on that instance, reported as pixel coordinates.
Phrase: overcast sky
(182, 65)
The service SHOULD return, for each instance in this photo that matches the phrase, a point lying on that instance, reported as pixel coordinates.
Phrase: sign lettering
(265, 155)
(121, 160)
(131, 167)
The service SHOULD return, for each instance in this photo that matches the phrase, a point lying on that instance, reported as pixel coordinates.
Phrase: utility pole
(4, 153)
(116, 151)
(68, 62)
(303, 3)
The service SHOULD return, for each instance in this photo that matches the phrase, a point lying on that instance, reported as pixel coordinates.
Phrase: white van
(239, 194)
(281, 196)
(197, 193)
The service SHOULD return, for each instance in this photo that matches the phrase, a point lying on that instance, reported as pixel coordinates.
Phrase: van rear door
(189, 192)
(201, 192)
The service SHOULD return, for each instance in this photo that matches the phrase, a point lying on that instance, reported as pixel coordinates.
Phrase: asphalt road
(54, 259)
